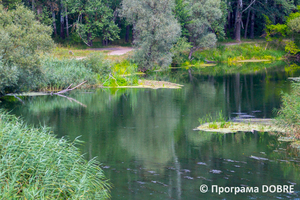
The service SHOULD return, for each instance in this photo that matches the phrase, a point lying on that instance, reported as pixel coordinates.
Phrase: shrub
(122, 74)
(289, 112)
(36, 165)
(99, 65)
(22, 38)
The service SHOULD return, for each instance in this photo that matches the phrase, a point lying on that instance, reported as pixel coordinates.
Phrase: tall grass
(61, 73)
(219, 121)
(95, 69)
(36, 165)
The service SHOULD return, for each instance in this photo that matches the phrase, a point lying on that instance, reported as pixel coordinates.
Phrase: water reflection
(145, 140)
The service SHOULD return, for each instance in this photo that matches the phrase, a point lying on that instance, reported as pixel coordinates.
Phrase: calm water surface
(147, 145)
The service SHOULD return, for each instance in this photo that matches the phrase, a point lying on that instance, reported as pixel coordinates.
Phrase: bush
(289, 113)
(36, 165)
(22, 38)
(98, 65)
(122, 74)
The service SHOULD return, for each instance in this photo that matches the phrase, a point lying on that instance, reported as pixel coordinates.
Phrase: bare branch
(19, 99)
(68, 89)
(71, 100)
(249, 6)
(58, 94)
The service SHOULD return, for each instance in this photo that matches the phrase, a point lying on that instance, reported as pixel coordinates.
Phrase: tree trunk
(238, 20)
(39, 11)
(191, 53)
(62, 33)
(228, 18)
(32, 4)
(252, 25)
(67, 23)
(54, 24)
(246, 28)
(133, 33)
(127, 33)
(89, 39)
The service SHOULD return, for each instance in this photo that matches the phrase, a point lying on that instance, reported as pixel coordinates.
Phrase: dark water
(147, 145)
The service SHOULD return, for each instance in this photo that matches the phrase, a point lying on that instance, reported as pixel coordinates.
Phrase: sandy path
(114, 50)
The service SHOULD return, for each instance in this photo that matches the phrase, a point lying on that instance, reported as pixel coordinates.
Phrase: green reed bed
(61, 73)
(36, 165)
(95, 69)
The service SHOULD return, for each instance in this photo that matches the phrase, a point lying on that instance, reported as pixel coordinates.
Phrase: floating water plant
(221, 125)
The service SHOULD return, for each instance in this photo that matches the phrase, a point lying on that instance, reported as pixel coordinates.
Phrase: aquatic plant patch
(234, 127)
(153, 85)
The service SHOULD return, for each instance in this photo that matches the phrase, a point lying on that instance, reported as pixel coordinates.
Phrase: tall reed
(36, 165)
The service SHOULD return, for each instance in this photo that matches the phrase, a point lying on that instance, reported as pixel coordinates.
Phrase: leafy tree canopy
(155, 30)
(93, 19)
(22, 37)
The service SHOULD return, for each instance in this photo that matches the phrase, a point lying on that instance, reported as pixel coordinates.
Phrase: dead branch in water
(19, 99)
(68, 89)
(71, 100)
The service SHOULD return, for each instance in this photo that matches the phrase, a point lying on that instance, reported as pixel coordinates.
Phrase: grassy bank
(36, 165)
(237, 53)
(60, 68)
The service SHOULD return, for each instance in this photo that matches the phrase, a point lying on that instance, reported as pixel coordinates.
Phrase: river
(145, 140)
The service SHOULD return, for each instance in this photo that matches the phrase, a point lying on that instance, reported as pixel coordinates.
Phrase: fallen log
(68, 89)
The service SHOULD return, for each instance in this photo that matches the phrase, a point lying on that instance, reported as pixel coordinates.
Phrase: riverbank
(35, 165)
(238, 53)
(62, 68)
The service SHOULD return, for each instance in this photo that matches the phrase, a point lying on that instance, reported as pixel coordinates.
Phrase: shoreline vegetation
(36, 165)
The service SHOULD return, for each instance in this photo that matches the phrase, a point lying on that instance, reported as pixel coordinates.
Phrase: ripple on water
(201, 163)
(215, 171)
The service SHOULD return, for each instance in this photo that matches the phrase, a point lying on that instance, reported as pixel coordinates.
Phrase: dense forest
(123, 21)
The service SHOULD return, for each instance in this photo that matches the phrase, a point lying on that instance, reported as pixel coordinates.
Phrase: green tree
(94, 19)
(290, 28)
(10, 4)
(183, 16)
(155, 30)
(22, 38)
(203, 15)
